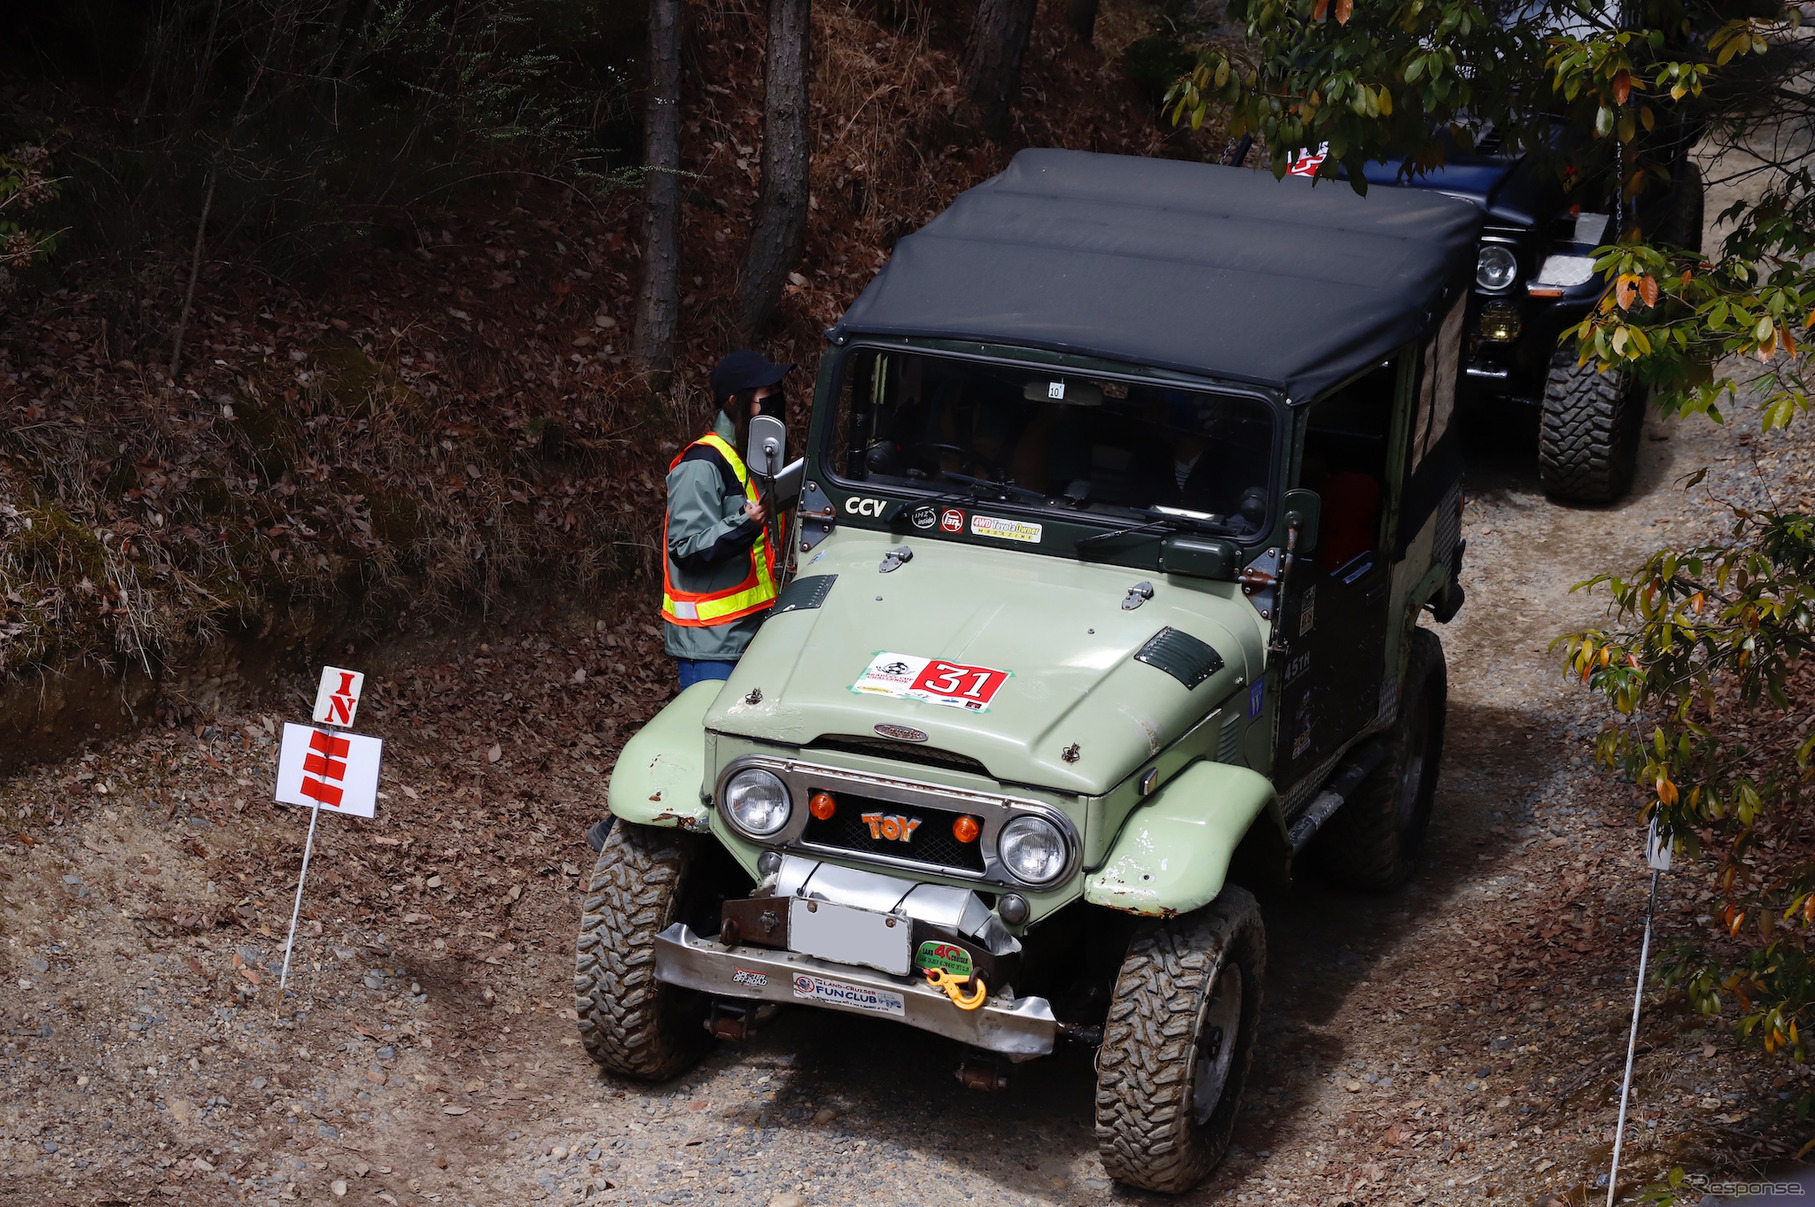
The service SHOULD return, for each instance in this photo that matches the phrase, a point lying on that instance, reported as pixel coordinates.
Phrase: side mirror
(1303, 508)
(768, 446)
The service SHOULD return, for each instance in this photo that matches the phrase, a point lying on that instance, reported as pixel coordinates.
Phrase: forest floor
(1461, 1039)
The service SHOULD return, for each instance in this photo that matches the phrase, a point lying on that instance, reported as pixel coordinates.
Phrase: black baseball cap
(744, 370)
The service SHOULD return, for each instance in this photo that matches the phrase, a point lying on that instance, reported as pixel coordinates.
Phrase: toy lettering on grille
(891, 826)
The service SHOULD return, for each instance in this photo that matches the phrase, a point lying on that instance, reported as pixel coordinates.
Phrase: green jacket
(709, 539)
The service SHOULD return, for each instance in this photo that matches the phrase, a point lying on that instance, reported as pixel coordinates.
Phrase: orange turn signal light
(822, 805)
(966, 829)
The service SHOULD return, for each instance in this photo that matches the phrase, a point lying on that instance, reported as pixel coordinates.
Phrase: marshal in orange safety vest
(753, 591)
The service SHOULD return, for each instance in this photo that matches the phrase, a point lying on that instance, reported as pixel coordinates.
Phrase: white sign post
(321, 768)
(1657, 856)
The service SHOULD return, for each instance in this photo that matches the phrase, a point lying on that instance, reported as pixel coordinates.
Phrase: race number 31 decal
(932, 680)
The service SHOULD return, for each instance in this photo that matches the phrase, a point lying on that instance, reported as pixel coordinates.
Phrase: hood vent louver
(804, 593)
(1180, 655)
(1229, 741)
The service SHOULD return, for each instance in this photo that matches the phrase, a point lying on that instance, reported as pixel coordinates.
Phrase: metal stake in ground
(1657, 854)
(296, 909)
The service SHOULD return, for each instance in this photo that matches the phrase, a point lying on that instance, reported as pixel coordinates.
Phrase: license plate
(846, 935)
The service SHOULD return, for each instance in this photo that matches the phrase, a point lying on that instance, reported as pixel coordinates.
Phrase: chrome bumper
(1018, 1027)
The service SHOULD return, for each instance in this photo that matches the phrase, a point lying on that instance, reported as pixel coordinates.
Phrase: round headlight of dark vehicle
(757, 802)
(1032, 849)
(1496, 267)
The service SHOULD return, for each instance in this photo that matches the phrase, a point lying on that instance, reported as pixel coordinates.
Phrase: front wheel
(1588, 434)
(631, 1023)
(1178, 1043)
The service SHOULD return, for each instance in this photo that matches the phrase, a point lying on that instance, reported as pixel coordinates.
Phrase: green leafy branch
(1712, 636)
(24, 186)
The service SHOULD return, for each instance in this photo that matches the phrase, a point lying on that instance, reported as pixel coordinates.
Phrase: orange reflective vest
(697, 609)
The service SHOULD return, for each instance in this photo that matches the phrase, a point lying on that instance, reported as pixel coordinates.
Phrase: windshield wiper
(1160, 522)
(1002, 488)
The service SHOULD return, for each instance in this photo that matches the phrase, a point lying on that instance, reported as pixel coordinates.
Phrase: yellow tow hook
(953, 986)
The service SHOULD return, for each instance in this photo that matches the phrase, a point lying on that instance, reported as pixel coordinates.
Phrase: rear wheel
(1177, 1044)
(631, 1023)
(1372, 842)
(1588, 436)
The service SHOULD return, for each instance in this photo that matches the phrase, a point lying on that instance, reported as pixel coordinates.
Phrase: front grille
(903, 752)
(931, 842)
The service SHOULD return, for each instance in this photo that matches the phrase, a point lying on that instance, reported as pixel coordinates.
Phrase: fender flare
(659, 779)
(1173, 853)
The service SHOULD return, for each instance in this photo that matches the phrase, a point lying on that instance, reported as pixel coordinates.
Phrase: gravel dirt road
(1458, 1040)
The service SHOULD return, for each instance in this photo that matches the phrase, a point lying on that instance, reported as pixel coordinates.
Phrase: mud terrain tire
(631, 1023)
(1178, 1042)
(1372, 842)
(1588, 433)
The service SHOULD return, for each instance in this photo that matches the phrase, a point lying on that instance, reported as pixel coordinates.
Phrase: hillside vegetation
(396, 297)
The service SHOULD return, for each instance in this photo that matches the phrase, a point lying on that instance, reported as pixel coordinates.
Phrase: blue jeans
(698, 670)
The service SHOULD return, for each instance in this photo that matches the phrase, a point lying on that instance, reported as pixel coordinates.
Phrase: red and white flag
(1307, 161)
(338, 771)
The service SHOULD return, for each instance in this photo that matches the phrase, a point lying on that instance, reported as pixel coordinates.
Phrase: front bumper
(1014, 1027)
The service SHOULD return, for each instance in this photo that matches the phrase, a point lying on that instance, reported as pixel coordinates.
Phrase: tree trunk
(779, 224)
(991, 74)
(1081, 16)
(657, 307)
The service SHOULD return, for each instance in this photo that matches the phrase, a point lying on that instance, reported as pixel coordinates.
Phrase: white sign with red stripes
(338, 771)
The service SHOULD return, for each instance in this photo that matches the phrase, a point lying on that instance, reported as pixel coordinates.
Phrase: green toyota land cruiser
(1128, 481)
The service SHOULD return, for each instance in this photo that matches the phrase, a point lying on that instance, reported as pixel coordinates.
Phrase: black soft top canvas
(1188, 266)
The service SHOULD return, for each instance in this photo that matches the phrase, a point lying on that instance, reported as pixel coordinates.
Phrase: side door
(1333, 623)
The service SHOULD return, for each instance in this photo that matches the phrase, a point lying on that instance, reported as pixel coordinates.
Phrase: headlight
(1032, 849)
(757, 802)
(1496, 267)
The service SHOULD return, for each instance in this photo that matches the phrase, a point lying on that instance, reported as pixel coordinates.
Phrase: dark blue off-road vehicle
(1535, 279)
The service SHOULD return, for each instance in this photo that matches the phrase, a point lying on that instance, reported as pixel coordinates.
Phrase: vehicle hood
(1509, 191)
(1476, 180)
(1055, 625)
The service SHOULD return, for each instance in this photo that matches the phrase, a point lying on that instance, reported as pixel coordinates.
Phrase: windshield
(1045, 438)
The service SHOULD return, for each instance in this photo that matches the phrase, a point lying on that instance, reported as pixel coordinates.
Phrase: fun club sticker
(829, 992)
